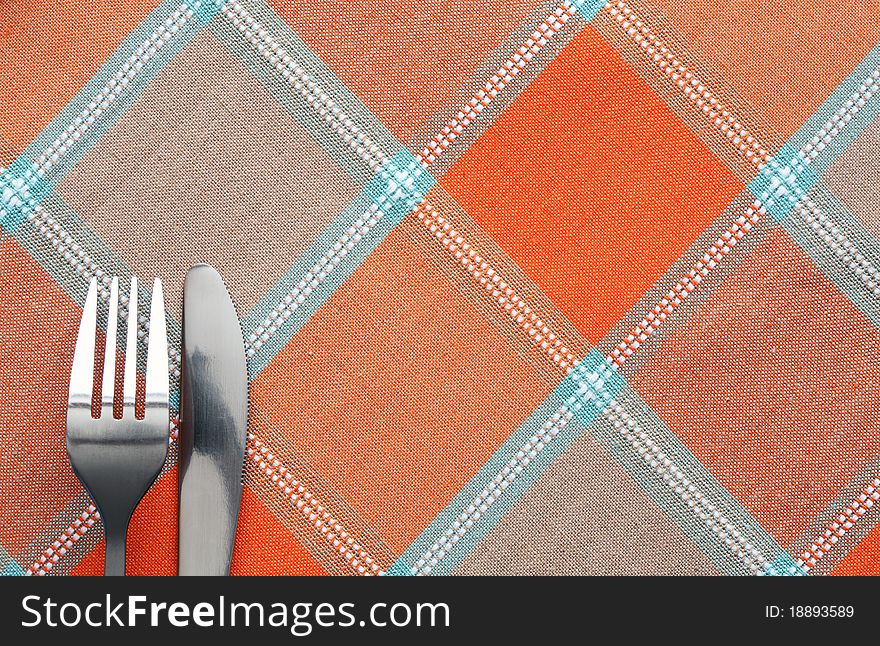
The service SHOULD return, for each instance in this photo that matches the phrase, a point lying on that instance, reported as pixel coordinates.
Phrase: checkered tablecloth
(527, 287)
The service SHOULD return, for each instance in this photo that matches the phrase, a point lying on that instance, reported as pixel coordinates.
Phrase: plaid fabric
(527, 287)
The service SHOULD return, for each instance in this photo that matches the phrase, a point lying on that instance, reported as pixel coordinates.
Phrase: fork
(117, 459)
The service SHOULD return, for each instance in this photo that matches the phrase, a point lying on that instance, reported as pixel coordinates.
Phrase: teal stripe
(588, 420)
(395, 190)
(837, 99)
(784, 565)
(783, 182)
(8, 565)
(861, 293)
(21, 189)
(12, 569)
(205, 10)
(312, 122)
(587, 390)
(589, 8)
(111, 114)
(788, 178)
(667, 495)
(585, 8)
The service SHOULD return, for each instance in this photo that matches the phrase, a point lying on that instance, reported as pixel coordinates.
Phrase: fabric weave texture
(575, 287)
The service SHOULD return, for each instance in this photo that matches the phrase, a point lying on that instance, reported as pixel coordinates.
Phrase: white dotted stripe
(479, 269)
(821, 224)
(114, 88)
(686, 285)
(652, 454)
(621, 3)
(511, 68)
(683, 486)
(315, 277)
(748, 144)
(590, 393)
(86, 267)
(295, 74)
(65, 541)
(351, 134)
(277, 56)
(399, 183)
(823, 227)
(842, 116)
(306, 503)
(311, 509)
(490, 493)
(281, 60)
(842, 247)
(837, 528)
(466, 256)
(16, 192)
(692, 87)
(79, 527)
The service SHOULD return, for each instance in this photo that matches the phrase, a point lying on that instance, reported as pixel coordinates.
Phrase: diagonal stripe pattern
(593, 391)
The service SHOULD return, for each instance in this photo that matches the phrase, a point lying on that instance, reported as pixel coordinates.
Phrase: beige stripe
(855, 177)
(207, 167)
(586, 516)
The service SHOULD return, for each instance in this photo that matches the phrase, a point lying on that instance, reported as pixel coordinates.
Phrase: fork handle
(114, 556)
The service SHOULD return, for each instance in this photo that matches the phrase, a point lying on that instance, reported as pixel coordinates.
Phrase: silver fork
(118, 459)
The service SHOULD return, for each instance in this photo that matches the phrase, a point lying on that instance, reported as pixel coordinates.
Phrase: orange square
(591, 184)
(397, 391)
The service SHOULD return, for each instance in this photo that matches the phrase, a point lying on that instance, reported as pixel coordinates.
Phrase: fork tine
(82, 372)
(157, 352)
(129, 384)
(109, 380)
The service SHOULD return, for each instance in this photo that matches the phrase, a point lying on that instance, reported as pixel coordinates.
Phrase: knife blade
(213, 425)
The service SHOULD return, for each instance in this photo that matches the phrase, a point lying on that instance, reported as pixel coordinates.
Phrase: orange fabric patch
(397, 391)
(152, 532)
(771, 385)
(92, 564)
(151, 547)
(265, 547)
(38, 324)
(783, 57)
(49, 51)
(591, 184)
(863, 559)
(405, 59)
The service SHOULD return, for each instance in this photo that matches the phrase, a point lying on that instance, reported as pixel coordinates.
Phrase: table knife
(213, 425)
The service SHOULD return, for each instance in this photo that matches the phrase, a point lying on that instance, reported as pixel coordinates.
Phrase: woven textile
(527, 287)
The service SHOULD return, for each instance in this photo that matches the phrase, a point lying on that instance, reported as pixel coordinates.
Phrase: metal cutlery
(118, 459)
(213, 425)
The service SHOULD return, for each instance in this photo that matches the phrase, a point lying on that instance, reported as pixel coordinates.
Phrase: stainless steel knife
(213, 425)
